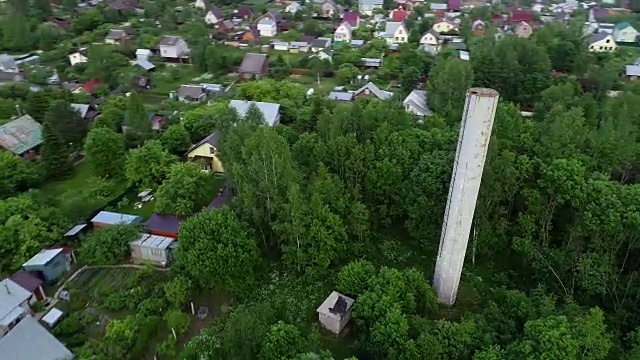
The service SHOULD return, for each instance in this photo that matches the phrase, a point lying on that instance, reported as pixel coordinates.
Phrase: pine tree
(67, 123)
(54, 153)
(137, 120)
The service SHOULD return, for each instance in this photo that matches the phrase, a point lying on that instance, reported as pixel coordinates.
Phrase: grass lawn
(80, 179)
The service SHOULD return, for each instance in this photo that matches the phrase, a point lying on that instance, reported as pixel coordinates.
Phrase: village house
(267, 27)
(117, 37)
(163, 225)
(250, 35)
(340, 96)
(191, 93)
(275, 16)
(326, 8)
(48, 265)
(399, 15)
(320, 44)
(59, 22)
(30, 283)
(601, 42)
(153, 249)
(28, 340)
(79, 57)
(478, 27)
(293, 7)
(395, 33)
(523, 29)
(243, 12)
(214, 16)
(253, 66)
(323, 55)
(444, 26)
(632, 72)
(431, 42)
(367, 7)
(173, 47)
(352, 18)
(370, 90)
(270, 111)
(625, 33)
(15, 304)
(88, 112)
(416, 103)
(205, 152)
(343, 33)
(21, 136)
(200, 4)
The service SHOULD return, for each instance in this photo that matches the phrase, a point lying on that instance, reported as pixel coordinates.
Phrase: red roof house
(399, 15)
(30, 283)
(351, 17)
(517, 16)
(91, 85)
(454, 5)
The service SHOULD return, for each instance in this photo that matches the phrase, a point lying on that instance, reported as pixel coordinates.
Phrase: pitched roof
(20, 135)
(11, 296)
(270, 111)
(340, 96)
(190, 91)
(217, 12)
(352, 17)
(243, 11)
(43, 257)
(29, 340)
(596, 37)
(75, 230)
(438, 6)
(418, 101)
(211, 140)
(252, 63)
(391, 27)
(145, 64)
(376, 91)
(521, 15)
(153, 241)
(7, 62)
(632, 70)
(90, 86)
(622, 25)
(113, 218)
(454, 5)
(399, 15)
(169, 40)
(345, 26)
(164, 223)
(81, 109)
(370, 2)
(116, 34)
(26, 280)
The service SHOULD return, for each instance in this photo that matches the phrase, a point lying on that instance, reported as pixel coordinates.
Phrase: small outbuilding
(153, 249)
(108, 218)
(335, 312)
(53, 317)
(163, 225)
(76, 232)
(48, 265)
(30, 283)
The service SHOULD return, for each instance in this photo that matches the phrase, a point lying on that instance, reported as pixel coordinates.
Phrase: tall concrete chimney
(473, 142)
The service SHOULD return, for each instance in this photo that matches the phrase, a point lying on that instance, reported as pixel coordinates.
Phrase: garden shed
(153, 249)
(53, 317)
(163, 225)
(335, 312)
(108, 218)
(48, 265)
(30, 283)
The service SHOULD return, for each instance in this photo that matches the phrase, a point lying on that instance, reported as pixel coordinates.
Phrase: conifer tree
(137, 119)
(67, 123)
(54, 153)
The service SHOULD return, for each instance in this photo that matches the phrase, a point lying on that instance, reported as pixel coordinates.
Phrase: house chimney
(7, 287)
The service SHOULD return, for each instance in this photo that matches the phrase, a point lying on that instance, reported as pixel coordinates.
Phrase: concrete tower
(473, 142)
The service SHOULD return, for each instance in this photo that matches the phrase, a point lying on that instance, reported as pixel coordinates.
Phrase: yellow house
(601, 42)
(444, 26)
(205, 153)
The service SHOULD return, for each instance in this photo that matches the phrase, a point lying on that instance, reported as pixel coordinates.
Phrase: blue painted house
(48, 265)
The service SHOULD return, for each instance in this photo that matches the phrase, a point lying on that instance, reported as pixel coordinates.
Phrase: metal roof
(31, 341)
(52, 317)
(418, 101)
(11, 296)
(82, 109)
(112, 218)
(340, 96)
(145, 64)
(270, 111)
(380, 94)
(75, 230)
(43, 257)
(164, 223)
(153, 241)
(26, 280)
(632, 70)
(20, 135)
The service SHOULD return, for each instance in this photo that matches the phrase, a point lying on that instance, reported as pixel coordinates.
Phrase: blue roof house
(48, 265)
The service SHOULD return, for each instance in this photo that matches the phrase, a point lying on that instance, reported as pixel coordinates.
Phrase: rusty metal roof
(20, 135)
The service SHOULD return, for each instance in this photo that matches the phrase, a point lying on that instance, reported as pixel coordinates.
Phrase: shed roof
(252, 63)
(11, 296)
(632, 70)
(145, 64)
(340, 96)
(336, 305)
(153, 241)
(75, 230)
(164, 223)
(52, 317)
(26, 280)
(30, 341)
(20, 135)
(113, 218)
(270, 111)
(43, 257)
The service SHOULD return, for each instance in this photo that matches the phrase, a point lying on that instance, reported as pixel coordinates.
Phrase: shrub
(178, 321)
(354, 277)
(148, 329)
(167, 348)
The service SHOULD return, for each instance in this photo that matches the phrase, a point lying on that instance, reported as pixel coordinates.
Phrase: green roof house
(21, 136)
(625, 33)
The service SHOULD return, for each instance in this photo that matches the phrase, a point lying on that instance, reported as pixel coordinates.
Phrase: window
(608, 41)
(600, 48)
(397, 38)
(212, 150)
(400, 31)
(156, 252)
